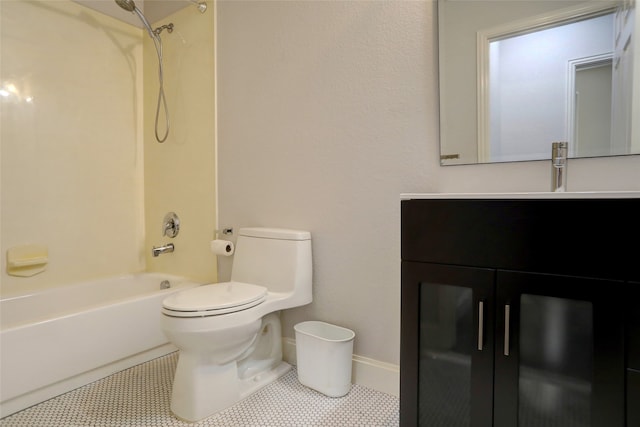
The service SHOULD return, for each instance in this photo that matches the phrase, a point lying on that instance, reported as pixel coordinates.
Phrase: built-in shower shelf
(27, 260)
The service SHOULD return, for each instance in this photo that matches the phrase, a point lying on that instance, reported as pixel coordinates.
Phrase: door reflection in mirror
(479, 121)
(531, 103)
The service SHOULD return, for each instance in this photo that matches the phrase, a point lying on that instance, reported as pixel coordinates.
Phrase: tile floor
(139, 397)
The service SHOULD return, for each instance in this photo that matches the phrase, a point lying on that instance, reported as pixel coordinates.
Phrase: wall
(180, 173)
(328, 111)
(71, 172)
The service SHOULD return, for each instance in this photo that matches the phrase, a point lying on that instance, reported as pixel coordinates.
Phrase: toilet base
(251, 385)
(215, 388)
(202, 388)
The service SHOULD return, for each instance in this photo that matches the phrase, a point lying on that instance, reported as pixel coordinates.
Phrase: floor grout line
(140, 397)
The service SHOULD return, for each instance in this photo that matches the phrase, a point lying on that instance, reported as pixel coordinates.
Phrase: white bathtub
(54, 341)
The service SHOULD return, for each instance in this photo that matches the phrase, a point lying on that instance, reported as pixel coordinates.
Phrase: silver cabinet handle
(480, 324)
(507, 309)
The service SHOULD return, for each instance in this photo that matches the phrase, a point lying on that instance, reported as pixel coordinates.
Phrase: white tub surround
(54, 341)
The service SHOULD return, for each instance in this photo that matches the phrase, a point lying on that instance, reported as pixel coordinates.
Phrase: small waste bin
(324, 352)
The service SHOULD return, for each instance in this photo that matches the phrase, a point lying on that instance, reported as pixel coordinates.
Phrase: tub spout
(158, 250)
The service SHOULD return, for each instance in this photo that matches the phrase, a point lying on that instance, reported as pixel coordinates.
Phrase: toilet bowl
(229, 334)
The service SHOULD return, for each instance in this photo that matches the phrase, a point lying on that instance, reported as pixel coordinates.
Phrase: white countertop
(525, 195)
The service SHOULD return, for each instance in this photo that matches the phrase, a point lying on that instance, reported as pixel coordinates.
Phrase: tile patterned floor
(139, 397)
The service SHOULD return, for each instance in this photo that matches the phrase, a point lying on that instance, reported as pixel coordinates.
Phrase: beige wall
(75, 174)
(71, 172)
(180, 173)
(327, 112)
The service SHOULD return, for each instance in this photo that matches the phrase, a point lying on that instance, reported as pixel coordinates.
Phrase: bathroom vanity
(520, 310)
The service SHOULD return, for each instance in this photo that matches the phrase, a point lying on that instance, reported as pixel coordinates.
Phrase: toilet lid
(214, 299)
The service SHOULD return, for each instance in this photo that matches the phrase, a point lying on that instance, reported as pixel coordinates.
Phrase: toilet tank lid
(275, 233)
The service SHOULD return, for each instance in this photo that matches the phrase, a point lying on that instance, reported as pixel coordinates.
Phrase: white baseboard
(371, 373)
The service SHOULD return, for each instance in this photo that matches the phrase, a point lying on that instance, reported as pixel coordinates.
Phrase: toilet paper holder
(226, 231)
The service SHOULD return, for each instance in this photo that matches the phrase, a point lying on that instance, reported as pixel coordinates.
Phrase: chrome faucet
(170, 225)
(158, 250)
(559, 157)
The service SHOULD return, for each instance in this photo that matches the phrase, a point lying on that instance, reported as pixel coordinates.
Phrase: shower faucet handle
(170, 225)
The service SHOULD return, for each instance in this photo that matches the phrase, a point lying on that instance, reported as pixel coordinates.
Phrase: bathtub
(57, 340)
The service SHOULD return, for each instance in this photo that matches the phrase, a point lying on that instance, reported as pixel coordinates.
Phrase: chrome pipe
(201, 5)
(559, 157)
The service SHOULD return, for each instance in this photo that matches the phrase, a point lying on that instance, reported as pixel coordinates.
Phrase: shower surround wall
(179, 174)
(81, 171)
(71, 172)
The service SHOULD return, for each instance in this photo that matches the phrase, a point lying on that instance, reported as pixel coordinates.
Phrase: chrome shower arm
(201, 5)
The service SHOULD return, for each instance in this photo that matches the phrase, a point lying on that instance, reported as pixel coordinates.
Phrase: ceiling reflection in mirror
(518, 75)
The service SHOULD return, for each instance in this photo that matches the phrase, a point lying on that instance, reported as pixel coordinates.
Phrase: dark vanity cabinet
(520, 312)
(633, 356)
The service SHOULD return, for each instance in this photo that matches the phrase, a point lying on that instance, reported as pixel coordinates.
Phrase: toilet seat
(214, 299)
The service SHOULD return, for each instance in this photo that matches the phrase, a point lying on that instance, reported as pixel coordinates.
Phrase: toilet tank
(278, 259)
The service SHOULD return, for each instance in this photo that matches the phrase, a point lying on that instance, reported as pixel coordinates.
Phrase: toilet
(229, 334)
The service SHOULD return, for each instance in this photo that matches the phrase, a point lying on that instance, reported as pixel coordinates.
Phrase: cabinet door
(446, 368)
(633, 397)
(559, 351)
(632, 297)
(633, 353)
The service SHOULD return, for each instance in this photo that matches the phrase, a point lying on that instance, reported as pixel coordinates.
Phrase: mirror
(518, 75)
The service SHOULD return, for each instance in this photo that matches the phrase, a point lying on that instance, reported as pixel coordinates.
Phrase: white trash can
(324, 353)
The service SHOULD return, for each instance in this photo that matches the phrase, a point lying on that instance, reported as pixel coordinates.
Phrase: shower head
(130, 6)
(127, 5)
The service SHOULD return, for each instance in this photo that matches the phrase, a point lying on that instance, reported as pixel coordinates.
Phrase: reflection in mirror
(516, 76)
(529, 100)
